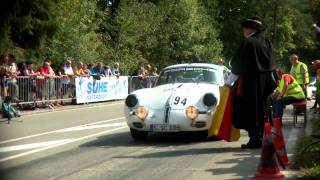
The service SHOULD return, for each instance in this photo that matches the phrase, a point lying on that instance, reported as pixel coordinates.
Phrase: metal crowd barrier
(28, 90)
(136, 82)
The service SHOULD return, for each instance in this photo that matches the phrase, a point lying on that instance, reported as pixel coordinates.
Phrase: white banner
(107, 88)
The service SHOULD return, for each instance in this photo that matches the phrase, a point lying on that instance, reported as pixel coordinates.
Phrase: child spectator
(8, 110)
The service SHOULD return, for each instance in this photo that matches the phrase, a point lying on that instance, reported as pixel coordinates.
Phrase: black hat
(253, 23)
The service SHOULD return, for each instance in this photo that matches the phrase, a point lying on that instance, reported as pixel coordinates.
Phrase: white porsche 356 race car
(184, 99)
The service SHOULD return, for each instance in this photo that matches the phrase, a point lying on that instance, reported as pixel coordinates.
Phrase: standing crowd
(23, 83)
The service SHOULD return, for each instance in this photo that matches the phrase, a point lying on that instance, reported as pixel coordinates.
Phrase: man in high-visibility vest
(287, 92)
(299, 71)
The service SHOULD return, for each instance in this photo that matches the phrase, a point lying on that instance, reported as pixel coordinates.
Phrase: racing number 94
(178, 100)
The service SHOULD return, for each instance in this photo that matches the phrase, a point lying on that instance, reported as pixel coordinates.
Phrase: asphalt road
(93, 142)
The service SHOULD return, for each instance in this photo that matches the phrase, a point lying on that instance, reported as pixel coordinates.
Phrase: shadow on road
(154, 139)
(242, 167)
(186, 152)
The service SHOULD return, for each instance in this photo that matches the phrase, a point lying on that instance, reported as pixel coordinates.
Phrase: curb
(69, 107)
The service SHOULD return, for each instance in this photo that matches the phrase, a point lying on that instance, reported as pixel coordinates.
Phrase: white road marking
(60, 144)
(73, 109)
(32, 145)
(79, 128)
(56, 131)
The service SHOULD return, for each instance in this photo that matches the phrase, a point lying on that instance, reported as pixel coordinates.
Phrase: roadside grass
(308, 159)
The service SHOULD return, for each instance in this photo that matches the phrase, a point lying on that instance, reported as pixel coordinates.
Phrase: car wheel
(138, 135)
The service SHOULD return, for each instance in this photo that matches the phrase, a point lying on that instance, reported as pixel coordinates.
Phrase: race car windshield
(188, 75)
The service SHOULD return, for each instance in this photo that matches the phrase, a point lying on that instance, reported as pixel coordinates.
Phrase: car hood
(176, 96)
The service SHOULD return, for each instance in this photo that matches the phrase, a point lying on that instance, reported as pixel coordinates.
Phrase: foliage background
(156, 32)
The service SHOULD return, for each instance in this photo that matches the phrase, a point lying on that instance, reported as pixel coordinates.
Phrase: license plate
(164, 127)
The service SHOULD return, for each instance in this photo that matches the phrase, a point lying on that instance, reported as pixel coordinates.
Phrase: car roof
(205, 65)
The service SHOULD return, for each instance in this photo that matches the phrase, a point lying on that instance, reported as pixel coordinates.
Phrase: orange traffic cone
(268, 167)
(280, 144)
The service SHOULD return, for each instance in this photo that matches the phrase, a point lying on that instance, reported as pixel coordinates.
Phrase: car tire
(139, 135)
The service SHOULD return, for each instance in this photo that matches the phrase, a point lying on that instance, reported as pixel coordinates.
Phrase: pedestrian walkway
(243, 163)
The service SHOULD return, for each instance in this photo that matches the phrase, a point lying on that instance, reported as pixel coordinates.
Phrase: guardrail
(29, 90)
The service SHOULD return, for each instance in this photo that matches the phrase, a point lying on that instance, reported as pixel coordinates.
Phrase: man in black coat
(253, 62)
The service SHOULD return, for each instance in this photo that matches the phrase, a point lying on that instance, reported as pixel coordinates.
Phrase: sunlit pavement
(93, 142)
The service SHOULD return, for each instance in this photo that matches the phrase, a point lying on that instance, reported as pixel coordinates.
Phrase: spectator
(116, 69)
(86, 71)
(299, 71)
(154, 71)
(46, 84)
(98, 72)
(68, 71)
(62, 88)
(107, 71)
(315, 66)
(142, 78)
(8, 111)
(153, 76)
(316, 30)
(3, 72)
(12, 73)
(46, 70)
(30, 82)
(317, 85)
(79, 70)
(147, 70)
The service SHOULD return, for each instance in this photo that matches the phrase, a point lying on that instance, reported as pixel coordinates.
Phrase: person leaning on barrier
(288, 91)
(86, 71)
(78, 70)
(107, 71)
(154, 71)
(31, 75)
(116, 69)
(46, 82)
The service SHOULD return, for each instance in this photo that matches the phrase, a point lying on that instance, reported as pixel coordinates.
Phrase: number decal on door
(180, 100)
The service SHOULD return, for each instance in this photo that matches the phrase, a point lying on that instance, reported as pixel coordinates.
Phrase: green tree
(165, 32)
(25, 25)
(76, 36)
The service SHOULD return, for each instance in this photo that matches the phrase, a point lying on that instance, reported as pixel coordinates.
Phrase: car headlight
(131, 100)
(209, 99)
(192, 112)
(141, 112)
